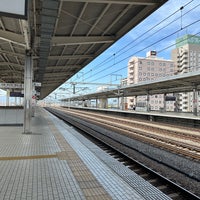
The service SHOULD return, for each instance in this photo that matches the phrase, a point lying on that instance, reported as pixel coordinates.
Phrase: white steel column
(118, 103)
(28, 73)
(15, 101)
(7, 97)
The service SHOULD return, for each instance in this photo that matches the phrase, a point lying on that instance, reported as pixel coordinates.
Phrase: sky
(157, 32)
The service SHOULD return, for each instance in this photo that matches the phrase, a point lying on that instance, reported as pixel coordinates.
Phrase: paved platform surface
(55, 162)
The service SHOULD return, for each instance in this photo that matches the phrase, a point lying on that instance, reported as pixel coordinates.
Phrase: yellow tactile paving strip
(89, 185)
(28, 157)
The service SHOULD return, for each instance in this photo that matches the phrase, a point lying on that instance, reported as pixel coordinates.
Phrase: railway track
(168, 187)
(177, 140)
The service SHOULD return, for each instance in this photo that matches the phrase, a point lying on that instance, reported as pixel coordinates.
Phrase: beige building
(145, 70)
(187, 59)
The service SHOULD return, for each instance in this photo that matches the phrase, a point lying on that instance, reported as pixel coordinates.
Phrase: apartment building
(186, 57)
(147, 69)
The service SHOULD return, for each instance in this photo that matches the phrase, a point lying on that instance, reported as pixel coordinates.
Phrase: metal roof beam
(11, 64)
(133, 2)
(137, 19)
(79, 19)
(12, 37)
(76, 40)
(50, 83)
(12, 53)
(62, 67)
(11, 72)
(49, 74)
(66, 57)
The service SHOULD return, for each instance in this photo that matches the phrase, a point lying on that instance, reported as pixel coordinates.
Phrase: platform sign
(37, 84)
(16, 94)
(11, 85)
(14, 8)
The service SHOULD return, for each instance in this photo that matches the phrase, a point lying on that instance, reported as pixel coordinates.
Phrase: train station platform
(178, 118)
(55, 162)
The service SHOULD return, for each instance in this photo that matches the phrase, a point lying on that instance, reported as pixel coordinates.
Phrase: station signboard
(37, 84)
(11, 86)
(16, 94)
(16, 85)
(16, 8)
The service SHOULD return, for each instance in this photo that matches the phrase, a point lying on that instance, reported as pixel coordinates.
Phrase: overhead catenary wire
(148, 47)
(107, 60)
(103, 70)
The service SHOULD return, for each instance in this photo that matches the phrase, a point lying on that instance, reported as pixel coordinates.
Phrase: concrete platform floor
(55, 162)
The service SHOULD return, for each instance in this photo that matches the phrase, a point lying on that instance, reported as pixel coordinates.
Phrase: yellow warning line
(28, 157)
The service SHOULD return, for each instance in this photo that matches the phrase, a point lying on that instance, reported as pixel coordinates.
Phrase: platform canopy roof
(174, 84)
(64, 36)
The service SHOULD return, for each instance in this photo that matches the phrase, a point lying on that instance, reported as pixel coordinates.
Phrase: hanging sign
(16, 8)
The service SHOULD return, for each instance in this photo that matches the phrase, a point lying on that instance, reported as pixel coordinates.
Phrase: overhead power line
(109, 59)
